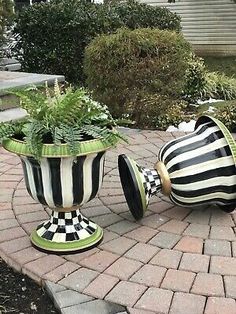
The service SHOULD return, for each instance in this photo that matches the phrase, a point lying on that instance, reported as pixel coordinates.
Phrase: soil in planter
(19, 294)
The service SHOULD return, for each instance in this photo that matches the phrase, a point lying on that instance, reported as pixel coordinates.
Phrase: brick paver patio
(175, 260)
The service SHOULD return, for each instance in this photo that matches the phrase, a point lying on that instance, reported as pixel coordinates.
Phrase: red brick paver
(208, 284)
(100, 287)
(149, 275)
(223, 265)
(194, 262)
(155, 299)
(167, 258)
(190, 245)
(126, 293)
(177, 280)
(123, 268)
(175, 260)
(184, 303)
(220, 306)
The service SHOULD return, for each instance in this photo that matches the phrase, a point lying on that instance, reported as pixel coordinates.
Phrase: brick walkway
(175, 260)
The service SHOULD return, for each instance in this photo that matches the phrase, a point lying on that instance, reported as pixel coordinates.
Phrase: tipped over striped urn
(195, 169)
(64, 183)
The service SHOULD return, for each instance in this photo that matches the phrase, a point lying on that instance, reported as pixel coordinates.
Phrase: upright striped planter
(63, 183)
(192, 170)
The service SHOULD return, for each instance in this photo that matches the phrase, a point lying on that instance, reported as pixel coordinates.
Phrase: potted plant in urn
(62, 144)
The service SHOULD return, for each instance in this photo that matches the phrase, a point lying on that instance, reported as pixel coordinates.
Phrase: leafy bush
(131, 69)
(219, 86)
(159, 111)
(195, 78)
(139, 15)
(226, 112)
(201, 83)
(6, 14)
(53, 35)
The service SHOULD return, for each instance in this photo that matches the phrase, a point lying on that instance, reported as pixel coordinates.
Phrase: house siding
(209, 25)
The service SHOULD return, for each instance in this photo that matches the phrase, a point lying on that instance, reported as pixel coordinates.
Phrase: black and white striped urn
(64, 184)
(196, 169)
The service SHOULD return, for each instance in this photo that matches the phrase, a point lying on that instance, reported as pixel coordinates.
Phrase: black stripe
(90, 229)
(213, 173)
(48, 235)
(96, 174)
(26, 178)
(194, 145)
(204, 191)
(54, 166)
(178, 140)
(72, 236)
(198, 160)
(37, 174)
(216, 201)
(78, 180)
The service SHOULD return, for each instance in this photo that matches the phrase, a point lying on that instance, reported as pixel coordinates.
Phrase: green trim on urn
(140, 183)
(70, 246)
(50, 150)
(228, 136)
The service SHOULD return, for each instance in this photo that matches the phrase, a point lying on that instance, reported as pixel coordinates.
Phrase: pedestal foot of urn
(66, 232)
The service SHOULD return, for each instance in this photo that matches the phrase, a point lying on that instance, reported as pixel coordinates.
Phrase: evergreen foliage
(137, 72)
(53, 36)
(6, 14)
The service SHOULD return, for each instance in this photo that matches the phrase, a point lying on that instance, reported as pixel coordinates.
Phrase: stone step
(17, 80)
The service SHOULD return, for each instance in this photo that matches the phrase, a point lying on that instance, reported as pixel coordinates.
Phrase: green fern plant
(60, 116)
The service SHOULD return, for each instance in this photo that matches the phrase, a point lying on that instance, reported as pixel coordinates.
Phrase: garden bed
(19, 294)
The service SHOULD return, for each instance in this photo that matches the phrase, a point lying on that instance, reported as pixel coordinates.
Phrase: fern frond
(8, 130)
(70, 135)
(34, 133)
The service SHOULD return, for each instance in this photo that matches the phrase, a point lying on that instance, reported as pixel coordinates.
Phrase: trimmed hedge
(139, 72)
(53, 36)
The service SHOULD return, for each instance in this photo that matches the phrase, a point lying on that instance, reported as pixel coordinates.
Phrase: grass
(226, 65)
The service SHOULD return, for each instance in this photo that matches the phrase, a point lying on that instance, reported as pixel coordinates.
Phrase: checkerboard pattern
(66, 226)
(151, 181)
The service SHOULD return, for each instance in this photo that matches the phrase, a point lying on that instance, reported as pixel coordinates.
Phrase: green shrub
(139, 15)
(173, 116)
(159, 111)
(219, 86)
(226, 112)
(53, 36)
(6, 14)
(201, 83)
(131, 69)
(195, 78)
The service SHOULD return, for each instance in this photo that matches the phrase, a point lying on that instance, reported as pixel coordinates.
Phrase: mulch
(20, 294)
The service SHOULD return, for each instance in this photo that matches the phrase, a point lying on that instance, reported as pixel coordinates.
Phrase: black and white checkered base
(151, 181)
(66, 232)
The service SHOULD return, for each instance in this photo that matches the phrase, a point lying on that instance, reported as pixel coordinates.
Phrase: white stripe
(101, 169)
(188, 141)
(202, 184)
(67, 181)
(59, 237)
(87, 177)
(182, 139)
(30, 176)
(208, 165)
(41, 231)
(47, 184)
(206, 197)
(197, 152)
(83, 234)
